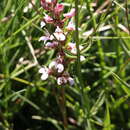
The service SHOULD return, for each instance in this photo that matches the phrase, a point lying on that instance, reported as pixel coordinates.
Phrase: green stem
(99, 44)
(87, 124)
(127, 15)
(119, 60)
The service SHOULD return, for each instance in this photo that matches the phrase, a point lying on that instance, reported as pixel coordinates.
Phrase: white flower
(82, 58)
(29, 6)
(48, 1)
(71, 81)
(58, 30)
(41, 70)
(71, 26)
(44, 76)
(52, 64)
(60, 68)
(44, 39)
(42, 24)
(80, 47)
(25, 10)
(59, 34)
(72, 47)
(61, 80)
(51, 37)
(44, 72)
(21, 60)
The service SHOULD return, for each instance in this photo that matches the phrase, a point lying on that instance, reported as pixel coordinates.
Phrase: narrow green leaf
(120, 101)
(20, 29)
(28, 101)
(124, 86)
(98, 104)
(107, 121)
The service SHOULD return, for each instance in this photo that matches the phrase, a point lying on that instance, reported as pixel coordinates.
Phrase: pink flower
(58, 9)
(70, 14)
(71, 26)
(48, 19)
(51, 44)
(44, 38)
(44, 4)
(58, 67)
(48, 4)
(72, 47)
(59, 34)
(58, 30)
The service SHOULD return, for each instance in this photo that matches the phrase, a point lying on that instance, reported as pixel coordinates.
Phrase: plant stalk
(87, 125)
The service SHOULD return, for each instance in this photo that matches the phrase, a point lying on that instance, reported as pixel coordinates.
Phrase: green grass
(100, 97)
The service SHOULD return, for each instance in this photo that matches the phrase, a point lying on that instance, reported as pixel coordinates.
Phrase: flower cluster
(55, 9)
(58, 41)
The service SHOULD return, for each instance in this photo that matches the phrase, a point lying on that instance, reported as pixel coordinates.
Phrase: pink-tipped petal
(48, 19)
(58, 9)
(70, 14)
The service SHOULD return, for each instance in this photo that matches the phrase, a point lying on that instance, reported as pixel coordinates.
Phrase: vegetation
(99, 98)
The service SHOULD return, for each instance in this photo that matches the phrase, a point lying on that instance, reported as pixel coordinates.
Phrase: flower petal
(61, 80)
(44, 76)
(42, 24)
(60, 68)
(70, 14)
(71, 81)
(42, 70)
(82, 58)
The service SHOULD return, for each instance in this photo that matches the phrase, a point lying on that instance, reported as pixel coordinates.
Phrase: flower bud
(71, 81)
(58, 9)
(51, 44)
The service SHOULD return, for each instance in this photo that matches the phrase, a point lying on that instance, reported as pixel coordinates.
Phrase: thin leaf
(98, 104)
(125, 86)
(107, 121)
